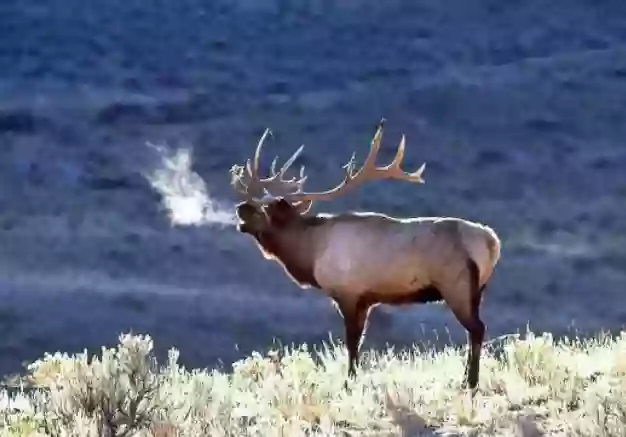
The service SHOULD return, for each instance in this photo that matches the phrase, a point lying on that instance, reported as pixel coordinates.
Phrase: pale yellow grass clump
(528, 387)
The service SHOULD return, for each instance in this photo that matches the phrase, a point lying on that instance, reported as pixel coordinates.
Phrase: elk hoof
(346, 387)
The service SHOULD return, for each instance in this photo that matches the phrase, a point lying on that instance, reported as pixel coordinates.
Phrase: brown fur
(300, 271)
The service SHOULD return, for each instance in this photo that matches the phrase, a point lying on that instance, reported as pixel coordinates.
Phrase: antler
(368, 172)
(267, 190)
(247, 182)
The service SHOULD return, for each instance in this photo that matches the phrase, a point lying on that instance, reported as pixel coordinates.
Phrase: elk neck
(295, 248)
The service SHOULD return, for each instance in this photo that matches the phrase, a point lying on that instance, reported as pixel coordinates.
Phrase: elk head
(274, 202)
(262, 205)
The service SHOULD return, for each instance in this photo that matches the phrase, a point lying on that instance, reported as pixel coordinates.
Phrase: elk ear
(281, 212)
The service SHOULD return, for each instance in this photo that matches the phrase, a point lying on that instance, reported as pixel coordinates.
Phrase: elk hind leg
(464, 301)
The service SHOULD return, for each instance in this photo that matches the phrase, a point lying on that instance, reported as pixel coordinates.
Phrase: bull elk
(363, 259)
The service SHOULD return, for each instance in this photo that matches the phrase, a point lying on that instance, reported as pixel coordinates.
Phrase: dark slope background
(518, 108)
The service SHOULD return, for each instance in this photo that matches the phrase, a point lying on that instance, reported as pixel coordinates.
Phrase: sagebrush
(530, 386)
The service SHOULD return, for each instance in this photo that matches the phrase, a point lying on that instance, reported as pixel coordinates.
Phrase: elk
(364, 259)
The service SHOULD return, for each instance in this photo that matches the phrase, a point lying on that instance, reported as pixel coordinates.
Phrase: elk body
(361, 260)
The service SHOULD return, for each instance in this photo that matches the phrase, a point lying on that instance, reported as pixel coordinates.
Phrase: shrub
(531, 386)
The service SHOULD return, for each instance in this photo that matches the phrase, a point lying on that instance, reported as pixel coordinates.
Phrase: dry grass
(528, 387)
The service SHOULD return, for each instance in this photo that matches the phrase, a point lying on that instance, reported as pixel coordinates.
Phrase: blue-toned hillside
(518, 109)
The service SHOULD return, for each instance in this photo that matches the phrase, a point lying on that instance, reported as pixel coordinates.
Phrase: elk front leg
(355, 319)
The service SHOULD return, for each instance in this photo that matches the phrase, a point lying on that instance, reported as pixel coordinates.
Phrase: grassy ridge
(528, 386)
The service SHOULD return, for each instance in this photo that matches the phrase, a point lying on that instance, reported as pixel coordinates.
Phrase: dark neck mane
(293, 252)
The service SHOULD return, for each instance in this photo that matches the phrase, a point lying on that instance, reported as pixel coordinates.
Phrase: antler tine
(283, 169)
(290, 162)
(251, 187)
(253, 170)
(394, 169)
(273, 166)
(395, 163)
(370, 161)
(369, 165)
(236, 179)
